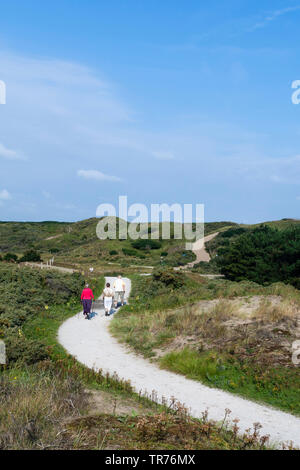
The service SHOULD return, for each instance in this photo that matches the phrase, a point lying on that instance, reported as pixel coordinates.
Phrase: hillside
(227, 236)
(235, 336)
(78, 243)
(50, 401)
(75, 244)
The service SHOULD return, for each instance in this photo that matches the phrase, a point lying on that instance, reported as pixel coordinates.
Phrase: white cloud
(273, 16)
(9, 154)
(97, 175)
(52, 105)
(68, 118)
(5, 195)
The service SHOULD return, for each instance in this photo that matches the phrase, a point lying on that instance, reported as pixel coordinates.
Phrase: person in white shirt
(108, 295)
(119, 286)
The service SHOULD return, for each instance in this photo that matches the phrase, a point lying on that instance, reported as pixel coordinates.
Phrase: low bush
(168, 277)
(22, 350)
(180, 258)
(10, 257)
(142, 244)
(264, 255)
(31, 256)
(129, 252)
(26, 293)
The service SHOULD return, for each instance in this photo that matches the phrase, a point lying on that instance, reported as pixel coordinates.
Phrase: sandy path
(44, 266)
(91, 343)
(200, 251)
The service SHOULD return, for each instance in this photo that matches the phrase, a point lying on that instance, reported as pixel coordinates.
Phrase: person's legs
(84, 307)
(87, 309)
(107, 305)
(117, 297)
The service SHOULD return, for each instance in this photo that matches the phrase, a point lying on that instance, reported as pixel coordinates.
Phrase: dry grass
(170, 430)
(269, 312)
(33, 407)
(41, 411)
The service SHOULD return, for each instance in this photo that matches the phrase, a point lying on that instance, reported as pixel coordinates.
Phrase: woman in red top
(86, 299)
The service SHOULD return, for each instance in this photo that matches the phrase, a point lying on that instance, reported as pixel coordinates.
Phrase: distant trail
(200, 251)
(91, 343)
(44, 266)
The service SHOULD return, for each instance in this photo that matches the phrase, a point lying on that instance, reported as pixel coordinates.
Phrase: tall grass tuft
(33, 407)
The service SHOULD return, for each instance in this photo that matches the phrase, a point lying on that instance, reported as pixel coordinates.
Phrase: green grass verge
(278, 387)
(153, 318)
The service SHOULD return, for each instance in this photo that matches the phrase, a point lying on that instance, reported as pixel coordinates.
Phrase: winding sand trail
(200, 251)
(92, 344)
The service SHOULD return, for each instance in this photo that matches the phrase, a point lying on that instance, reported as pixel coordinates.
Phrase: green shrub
(168, 277)
(205, 267)
(31, 256)
(129, 252)
(27, 293)
(54, 250)
(233, 232)
(180, 258)
(142, 244)
(263, 255)
(21, 349)
(113, 252)
(10, 257)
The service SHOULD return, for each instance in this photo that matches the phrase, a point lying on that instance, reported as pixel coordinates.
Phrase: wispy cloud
(273, 16)
(5, 195)
(97, 175)
(9, 154)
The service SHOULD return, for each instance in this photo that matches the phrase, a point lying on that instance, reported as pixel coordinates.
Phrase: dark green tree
(263, 255)
(31, 255)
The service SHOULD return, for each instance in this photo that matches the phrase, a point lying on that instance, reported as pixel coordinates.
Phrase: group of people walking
(109, 295)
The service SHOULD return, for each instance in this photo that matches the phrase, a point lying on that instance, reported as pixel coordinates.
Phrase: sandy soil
(53, 237)
(91, 343)
(200, 251)
(106, 402)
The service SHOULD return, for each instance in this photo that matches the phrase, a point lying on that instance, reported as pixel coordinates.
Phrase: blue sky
(172, 101)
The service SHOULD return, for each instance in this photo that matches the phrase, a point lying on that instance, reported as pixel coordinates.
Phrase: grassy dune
(45, 402)
(76, 244)
(234, 336)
